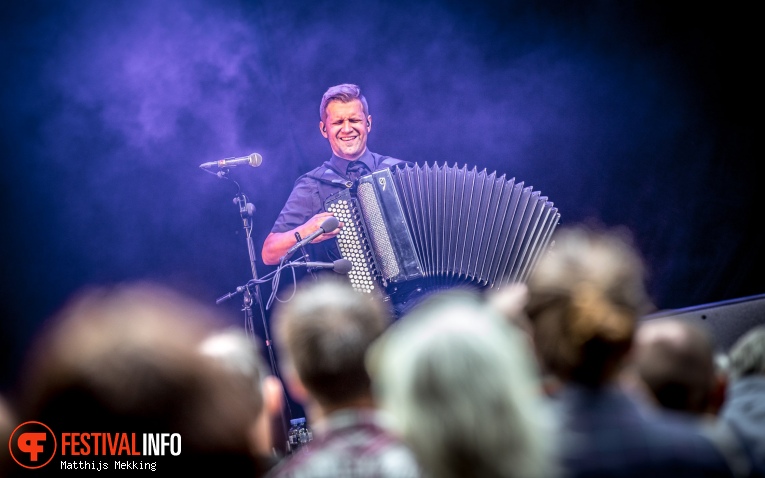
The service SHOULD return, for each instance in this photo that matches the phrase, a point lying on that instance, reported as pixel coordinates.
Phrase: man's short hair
(323, 334)
(346, 93)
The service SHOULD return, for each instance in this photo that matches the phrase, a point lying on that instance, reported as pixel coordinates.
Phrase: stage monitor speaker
(726, 321)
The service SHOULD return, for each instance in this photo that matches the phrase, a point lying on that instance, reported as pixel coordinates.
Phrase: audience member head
(585, 296)
(243, 356)
(127, 359)
(322, 336)
(510, 301)
(747, 355)
(460, 386)
(675, 359)
(744, 409)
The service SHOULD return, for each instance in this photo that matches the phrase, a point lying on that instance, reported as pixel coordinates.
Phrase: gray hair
(747, 356)
(239, 353)
(460, 386)
(346, 93)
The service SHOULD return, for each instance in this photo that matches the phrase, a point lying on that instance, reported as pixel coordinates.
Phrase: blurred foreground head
(747, 355)
(322, 336)
(460, 385)
(585, 296)
(744, 408)
(674, 358)
(129, 359)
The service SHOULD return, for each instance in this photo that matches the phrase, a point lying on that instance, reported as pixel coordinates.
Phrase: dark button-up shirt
(313, 188)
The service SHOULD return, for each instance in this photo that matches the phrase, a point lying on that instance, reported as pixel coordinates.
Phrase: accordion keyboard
(353, 243)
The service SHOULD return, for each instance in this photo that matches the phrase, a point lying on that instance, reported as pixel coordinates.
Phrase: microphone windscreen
(255, 160)
(342, 266)
(330, 224)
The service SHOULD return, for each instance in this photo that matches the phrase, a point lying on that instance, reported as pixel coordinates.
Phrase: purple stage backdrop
(632, 113)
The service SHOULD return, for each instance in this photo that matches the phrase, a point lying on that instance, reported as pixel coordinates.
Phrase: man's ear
(369, 123)
(273, 395)
(323, 129)
(295, 386)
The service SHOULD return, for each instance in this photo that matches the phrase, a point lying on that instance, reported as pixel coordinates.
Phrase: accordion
(441, 226)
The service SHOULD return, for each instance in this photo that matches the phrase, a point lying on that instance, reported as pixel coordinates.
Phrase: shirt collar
(342, 164)
(349, 418)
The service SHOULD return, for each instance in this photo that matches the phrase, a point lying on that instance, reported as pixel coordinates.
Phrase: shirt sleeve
(302, 204)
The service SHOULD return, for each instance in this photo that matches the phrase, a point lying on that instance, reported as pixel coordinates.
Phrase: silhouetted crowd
(555, 378)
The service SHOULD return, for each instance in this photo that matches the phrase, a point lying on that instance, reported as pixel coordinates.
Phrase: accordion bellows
(441, 225)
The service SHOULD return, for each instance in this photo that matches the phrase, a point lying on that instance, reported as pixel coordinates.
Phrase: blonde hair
(346, 93)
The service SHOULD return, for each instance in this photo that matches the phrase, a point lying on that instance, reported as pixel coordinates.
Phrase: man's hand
(315, 223)
(278, 243)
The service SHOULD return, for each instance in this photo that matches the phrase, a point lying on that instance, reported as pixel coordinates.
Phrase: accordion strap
(329, 174)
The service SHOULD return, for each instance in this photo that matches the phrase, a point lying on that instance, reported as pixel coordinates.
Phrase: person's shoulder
(398, 460)
(313, 462)
(319, 173)
(298, 464)
(316, 172)
(384, 161)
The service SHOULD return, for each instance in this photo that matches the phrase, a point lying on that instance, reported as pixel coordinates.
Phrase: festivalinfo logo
(33, 445)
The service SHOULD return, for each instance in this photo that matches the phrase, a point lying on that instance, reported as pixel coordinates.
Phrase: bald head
(675, 359)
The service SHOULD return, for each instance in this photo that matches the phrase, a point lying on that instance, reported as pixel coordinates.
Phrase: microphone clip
(298, 245)
(329, 225)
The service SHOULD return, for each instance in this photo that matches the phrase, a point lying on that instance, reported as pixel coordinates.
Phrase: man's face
(346, 128)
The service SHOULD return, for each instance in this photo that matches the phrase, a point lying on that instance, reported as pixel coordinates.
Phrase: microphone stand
(251, 293)
(251, 290)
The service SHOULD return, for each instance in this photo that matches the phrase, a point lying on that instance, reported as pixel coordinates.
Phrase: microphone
(341, 266)
(253, 160)
(329, 225)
